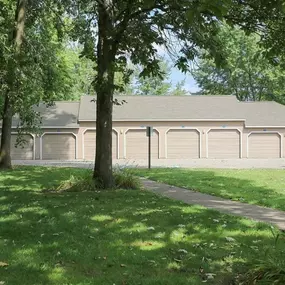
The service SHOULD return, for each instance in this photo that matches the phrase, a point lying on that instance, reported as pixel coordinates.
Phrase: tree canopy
(30, 66)
(245, 72)
(159, 85)
(114, 31)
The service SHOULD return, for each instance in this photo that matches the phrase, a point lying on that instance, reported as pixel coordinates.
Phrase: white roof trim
(261, 126)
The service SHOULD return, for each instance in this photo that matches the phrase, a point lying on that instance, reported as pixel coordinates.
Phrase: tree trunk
(5, 157)
(104, 102)
(17, 40)
(103, 159)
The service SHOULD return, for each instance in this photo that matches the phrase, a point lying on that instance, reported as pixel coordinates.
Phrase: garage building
(185, 127)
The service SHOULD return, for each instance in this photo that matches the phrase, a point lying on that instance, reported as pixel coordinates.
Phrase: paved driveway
(191, 163)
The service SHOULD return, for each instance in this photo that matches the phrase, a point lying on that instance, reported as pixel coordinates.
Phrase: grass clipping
(85, 182)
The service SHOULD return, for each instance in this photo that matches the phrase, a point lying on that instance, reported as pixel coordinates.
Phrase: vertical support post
(149, 131)
(149, 152)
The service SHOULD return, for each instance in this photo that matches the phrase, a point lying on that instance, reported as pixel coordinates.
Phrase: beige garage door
(137, 144)
(58, 147)
(90, 145)
(23, 151)
(183, 144)
(264, 145)
(224, 144)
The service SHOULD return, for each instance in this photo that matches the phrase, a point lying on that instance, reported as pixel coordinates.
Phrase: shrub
(271, 270)
(265, 275)
(79, 183)
(86, 182)
(126, 180)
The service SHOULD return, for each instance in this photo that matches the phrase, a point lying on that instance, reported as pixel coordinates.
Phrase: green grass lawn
(264, 187)
(119, 237)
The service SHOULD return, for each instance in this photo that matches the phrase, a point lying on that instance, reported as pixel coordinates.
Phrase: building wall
(162, 128)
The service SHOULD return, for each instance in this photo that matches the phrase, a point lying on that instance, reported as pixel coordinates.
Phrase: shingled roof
(163, 108)
(263, 113)
(167, 108)
(61, 114)
(187, 108)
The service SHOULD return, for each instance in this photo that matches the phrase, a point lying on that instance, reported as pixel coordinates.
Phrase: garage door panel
(183, 144)
(137, 144)
(264, 145)
(224, 144)
(58, 147)
(90, 145)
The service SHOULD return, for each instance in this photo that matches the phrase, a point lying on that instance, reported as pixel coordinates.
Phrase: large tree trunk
(104, 102)
(5, 157)
(103, 160)
(17, 40)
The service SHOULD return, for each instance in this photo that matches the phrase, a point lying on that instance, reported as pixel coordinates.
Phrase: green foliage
(84, 181)
(78, 183)
(126, 180)
(270, 269)
(76, 73)
(179, 89)
(46, 69)
(115, 32)
(136, 28)
(245, 72)
(152, 85)
(156, 85)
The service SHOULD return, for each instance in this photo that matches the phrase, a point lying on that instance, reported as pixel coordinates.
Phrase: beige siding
(89, 139)
(264, 145)
(223, 144)
(25, 151)
(162, 127)
(183, 144)
(136, 143)
(89, 145)
(58, 147)
(37, 148)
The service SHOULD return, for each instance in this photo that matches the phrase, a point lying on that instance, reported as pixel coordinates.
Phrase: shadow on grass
(35, 178)
(229, 184)
(117, 237)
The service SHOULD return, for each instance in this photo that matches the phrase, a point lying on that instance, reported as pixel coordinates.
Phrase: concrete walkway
(258, 213)
(244, 163)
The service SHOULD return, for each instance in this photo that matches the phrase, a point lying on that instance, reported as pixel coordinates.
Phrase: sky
(176, 74)
(190, 83)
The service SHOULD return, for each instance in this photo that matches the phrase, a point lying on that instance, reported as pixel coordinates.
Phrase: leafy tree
(152, 85)
(29, 63)
(179, 89)
(75, 72)
(9, 78)
(155, 85)
(112, 31)
(246, 72)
